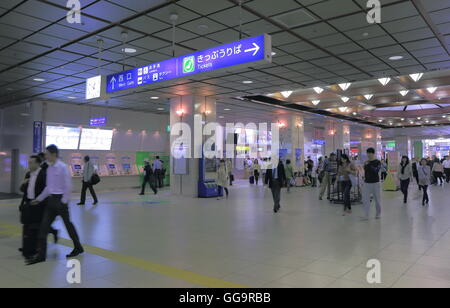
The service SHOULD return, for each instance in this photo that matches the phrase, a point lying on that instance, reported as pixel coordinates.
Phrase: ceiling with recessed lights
(317, 43)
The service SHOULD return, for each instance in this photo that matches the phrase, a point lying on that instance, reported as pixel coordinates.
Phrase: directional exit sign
(241, 53)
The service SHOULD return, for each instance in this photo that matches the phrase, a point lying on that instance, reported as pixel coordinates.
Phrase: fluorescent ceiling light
(342, 109)
(402, 119)
(39, 79)
(274, 53)
(154, 97)
(404, 92)
(345, 86)
(129, 50)
(318, 90)
(345, 99)
(71, 97)
(416, 77)
(380, 121)
(368, 96)
(384, 81)
(286, 94)
(160, 109)
(354, 113)
(315, 102)
(227, 109)
(247, 82)
(395, 58)
(432, 89)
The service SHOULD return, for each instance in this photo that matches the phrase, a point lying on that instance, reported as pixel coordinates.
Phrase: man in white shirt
(446, 165)
(158, 171)
(88, 172)
(57, 190)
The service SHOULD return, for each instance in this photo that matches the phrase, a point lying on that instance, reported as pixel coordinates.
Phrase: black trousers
(151, 182)
(276, 194)
(159, 178)
(346, 189)
(54, 209)
(256, 174)
(85, 187)
(447, 174)
(425, 194)
(439, 177)
(404, 185)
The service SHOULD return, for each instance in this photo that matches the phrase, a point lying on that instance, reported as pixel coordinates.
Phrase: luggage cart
(336, 193)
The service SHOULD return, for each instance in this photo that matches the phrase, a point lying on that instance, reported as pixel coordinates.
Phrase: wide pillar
(337, 137)
(194, 112)
(371, 139)
(403, 145)
(292, 139)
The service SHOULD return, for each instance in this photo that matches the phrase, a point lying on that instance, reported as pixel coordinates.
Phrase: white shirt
(32, 184)
(446, 164)
(157, 165)
(59, 182)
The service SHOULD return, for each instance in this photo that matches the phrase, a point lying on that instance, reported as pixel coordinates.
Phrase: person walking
(424, 171)
(319, 171)
(276, 177)
(149, 177)
(57, 190)
(405, 174)
(384, 170)
(88, 172)
(222, 179)
(372, 187)
(446, 165)
(289, 172)
(329, 175)
(31, 215)
(438, 172)
(256, 171)
(346, 170)
(158, 172)
(415, 165)
(229, 164)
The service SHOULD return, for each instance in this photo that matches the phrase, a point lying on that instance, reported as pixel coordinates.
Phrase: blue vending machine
(207, 188)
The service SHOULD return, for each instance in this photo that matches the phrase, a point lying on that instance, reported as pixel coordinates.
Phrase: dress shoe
(76, 252)
(95, 203)
(80, 203)
(34, 260)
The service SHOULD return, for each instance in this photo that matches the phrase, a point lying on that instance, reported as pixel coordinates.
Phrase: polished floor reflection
(169, 241)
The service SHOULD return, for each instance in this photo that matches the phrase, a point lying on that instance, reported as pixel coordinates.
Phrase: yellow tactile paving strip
(173, 272)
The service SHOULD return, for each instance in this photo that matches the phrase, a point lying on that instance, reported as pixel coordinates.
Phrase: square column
(403, 145)
(188, 117)
(292, 139)
(337, 137)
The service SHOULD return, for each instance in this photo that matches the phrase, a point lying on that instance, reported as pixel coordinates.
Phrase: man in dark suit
(149, 177)
(276, 177)
(31, 215)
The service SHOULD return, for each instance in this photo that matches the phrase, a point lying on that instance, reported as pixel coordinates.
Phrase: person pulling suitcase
(32, 215)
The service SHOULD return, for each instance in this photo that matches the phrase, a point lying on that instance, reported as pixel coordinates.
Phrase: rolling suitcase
(252, 180)
(30, 239)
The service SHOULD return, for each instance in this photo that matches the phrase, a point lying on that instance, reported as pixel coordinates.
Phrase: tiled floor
(183, 242)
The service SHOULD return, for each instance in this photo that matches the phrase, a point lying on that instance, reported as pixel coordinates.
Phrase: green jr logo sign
(188, 65)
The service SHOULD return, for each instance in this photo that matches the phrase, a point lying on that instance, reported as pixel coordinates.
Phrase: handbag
(353, 179)
(95, 179)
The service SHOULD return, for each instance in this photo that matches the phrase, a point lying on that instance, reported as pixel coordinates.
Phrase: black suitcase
(30, 240)
(252, 180)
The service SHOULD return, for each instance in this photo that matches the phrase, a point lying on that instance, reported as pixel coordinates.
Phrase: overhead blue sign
(241, 52)
(97, 121)
(37, 137)
(319, 142)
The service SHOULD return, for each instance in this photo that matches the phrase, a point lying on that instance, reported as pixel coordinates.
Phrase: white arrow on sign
(256, 49)
(113, 82)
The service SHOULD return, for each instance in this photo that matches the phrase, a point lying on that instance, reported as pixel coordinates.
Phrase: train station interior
(201, 99)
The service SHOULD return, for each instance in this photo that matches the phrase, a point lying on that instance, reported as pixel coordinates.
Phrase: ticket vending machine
(111, 165)
(76, 164)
